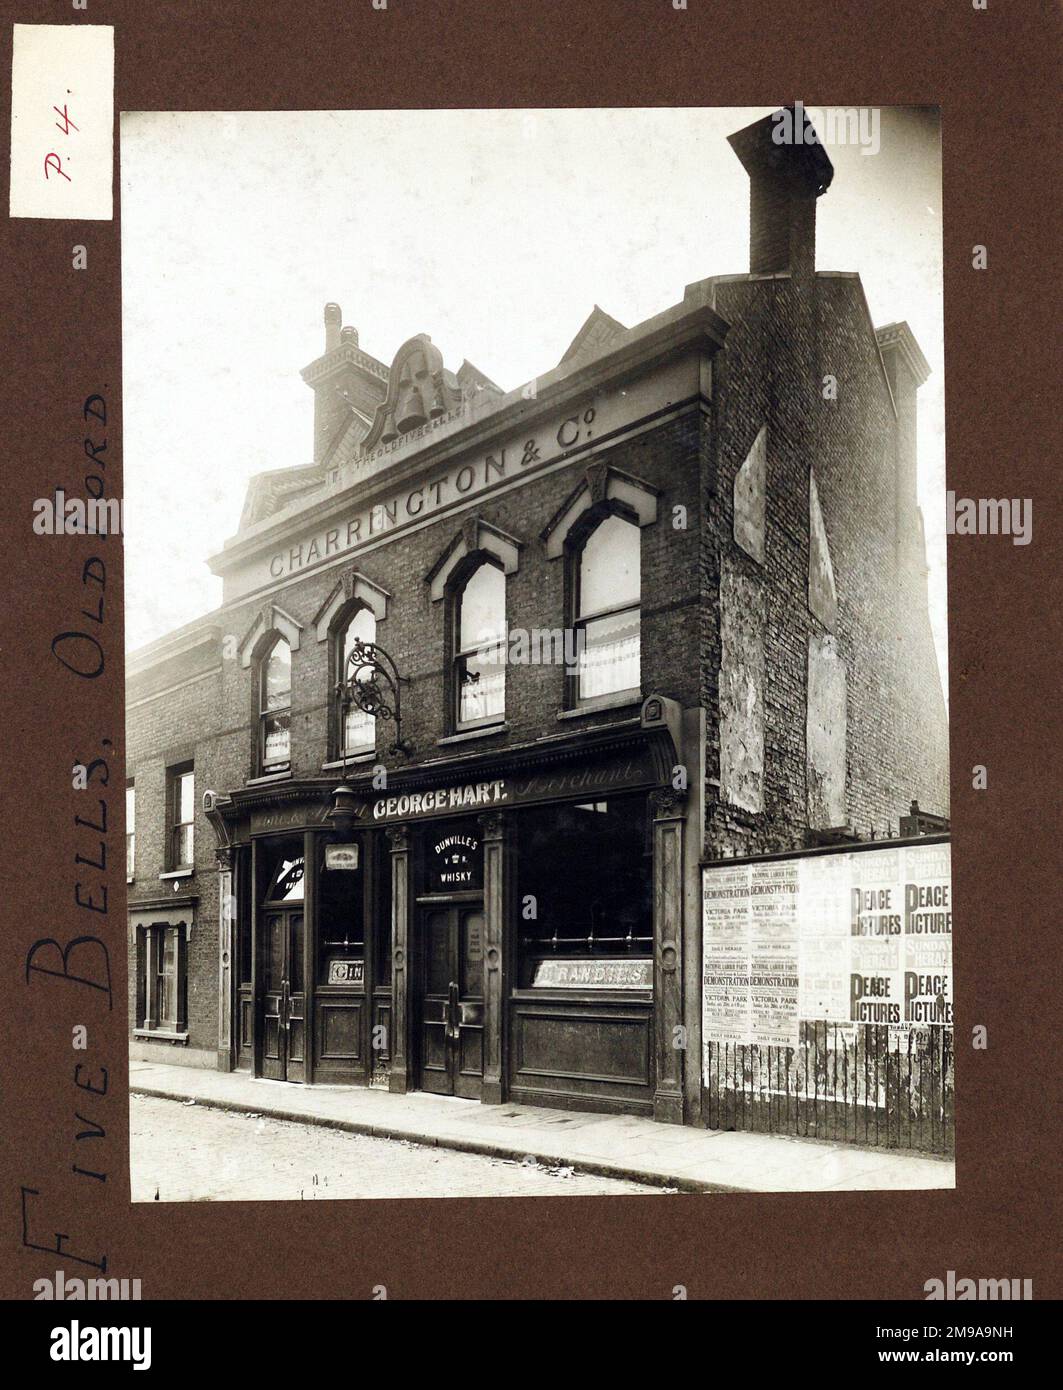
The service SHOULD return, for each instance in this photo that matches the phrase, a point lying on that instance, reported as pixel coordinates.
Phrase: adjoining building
(425, 803)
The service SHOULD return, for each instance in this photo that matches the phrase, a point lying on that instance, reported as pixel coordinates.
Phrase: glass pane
(359, 730)
(185, 803)
(277, 739)
(483, 609)
(273, 975)
(277, 678)
(482, 685)
(184, 845)
(287, 884)
(609, 566)
(609, 660)
(438, 972)
(295, 959)
(130, 855)
(472, 953)
(586, 871)
(167, 996)
(362, 627)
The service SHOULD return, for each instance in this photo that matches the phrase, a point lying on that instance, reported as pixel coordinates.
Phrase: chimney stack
(906, 370)
(333, 320)
(788, 170)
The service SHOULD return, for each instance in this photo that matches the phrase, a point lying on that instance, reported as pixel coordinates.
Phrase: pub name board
(618, 774)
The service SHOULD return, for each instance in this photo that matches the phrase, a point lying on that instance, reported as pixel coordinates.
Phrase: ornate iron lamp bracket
(371, 682)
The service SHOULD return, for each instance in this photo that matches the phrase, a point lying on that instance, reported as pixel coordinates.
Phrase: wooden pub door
(284, 1030)
(450, 1006)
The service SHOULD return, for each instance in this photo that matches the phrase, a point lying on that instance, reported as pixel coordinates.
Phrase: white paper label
(62, 121)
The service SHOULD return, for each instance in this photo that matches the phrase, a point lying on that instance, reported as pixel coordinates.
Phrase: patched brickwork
(786, 335)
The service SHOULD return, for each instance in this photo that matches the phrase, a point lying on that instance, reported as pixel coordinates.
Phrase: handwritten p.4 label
(62, 121)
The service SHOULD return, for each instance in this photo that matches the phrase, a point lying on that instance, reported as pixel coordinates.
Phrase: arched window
(275, 708)
(607, 593)
(479, 626)
(356, 730)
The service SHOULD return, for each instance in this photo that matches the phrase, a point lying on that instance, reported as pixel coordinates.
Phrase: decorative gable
(601, 483)
(351, 585)
(475, 535)
(419, 389)
(599, 333)
(270, 619)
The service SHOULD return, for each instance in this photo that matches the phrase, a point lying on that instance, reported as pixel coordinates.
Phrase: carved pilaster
(227, 906)
(498, 873)
(401, 1003)
(668, 816)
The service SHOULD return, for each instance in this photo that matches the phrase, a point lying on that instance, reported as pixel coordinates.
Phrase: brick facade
(191, 696)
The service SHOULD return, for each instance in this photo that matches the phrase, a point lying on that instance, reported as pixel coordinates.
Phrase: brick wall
(165, 726)
(213, 719)
(787, 334)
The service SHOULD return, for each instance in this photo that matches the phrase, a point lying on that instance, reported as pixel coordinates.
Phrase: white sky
(492, 231)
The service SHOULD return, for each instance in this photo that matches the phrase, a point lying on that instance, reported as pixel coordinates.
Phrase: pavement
(180, 1152)
(625, 1147)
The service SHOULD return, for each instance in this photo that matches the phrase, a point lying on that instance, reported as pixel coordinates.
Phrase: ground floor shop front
(505, 927)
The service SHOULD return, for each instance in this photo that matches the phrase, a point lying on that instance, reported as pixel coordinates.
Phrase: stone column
(668, 820)
(226, 857)
(497, 831)
(399, 844)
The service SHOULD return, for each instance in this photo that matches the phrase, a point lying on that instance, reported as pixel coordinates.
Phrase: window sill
(338, 764)
(623, 700)
(163, 1034)
(176, 873)
(268, 778)
(483, 731)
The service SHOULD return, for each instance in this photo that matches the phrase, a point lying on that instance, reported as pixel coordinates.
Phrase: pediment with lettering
(420, 389)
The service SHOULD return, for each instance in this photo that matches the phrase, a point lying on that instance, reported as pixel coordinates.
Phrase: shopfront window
(341, 916)
(275, 708)
(584, 874)
(161, 978)
(356, 729)
(479, 670)
(608, 594)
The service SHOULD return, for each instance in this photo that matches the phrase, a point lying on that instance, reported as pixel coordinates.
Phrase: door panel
(273, 952)
(451, 1002)
(296, 1015)
(283, 997)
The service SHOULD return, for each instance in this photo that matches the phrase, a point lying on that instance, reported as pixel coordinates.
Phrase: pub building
(423, 804)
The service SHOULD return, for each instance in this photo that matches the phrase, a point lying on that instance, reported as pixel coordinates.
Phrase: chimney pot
(788, 170)
(349, 335)
(333, 319)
